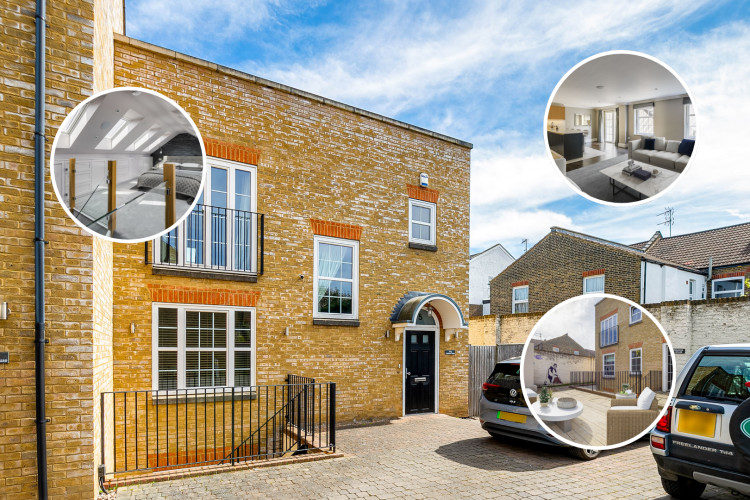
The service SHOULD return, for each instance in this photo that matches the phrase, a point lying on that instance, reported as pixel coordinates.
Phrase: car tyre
(683, 487)
(584, 454)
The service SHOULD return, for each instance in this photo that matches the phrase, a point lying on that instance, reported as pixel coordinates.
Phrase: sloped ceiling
(122, 122)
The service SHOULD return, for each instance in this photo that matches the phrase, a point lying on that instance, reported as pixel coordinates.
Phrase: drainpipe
(39, 162)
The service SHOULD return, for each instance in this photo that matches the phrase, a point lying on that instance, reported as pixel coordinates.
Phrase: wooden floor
(590, 428)
(609, 149)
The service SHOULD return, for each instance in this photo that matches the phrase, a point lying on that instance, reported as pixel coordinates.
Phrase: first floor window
(336, 280)
(728, 287)
(608, 333)
(636, 314)
(520, 299)
(608, 364)
(593, 284)
(198, 346)
(636, 360)
(421, 222)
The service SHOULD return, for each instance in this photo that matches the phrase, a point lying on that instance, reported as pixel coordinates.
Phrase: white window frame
(610, 319)
(230, 167)
(604, 365)
(432, 207)
(630, 360)
(741, 279)
(181, 341)
(689, 112)
(592, 278)
(514, 302)
(636, 130)
(355, 277)
(640, 315)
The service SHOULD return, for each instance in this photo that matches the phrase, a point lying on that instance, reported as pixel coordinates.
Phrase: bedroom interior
(128, 164)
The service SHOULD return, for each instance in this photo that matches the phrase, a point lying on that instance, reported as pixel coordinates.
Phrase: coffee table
(551, 413)
(648, 188)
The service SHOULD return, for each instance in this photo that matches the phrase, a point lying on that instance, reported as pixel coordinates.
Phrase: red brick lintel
(595, 272)
(520, 283)
(232, 152)
(336, 229)
(207, 296)
(422, 193)
(611, 313)
(738, 274)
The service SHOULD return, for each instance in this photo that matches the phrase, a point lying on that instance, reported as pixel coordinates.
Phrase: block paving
(433, 456)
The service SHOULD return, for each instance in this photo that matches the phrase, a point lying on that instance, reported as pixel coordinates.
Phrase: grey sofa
(663, 155)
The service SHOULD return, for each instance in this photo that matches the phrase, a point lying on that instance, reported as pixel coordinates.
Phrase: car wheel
(683, 487)
(584, 454)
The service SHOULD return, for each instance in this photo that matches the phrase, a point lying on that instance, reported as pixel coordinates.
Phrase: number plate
(513, 417)
(696, 422)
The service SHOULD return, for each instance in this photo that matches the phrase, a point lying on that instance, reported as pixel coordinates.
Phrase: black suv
(704, 438)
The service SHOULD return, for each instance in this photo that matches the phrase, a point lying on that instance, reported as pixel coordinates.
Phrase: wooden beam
(171, 196)
(72, 184)
(112, 194)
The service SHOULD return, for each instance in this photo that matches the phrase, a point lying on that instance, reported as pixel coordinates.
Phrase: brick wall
(483, 330)
(515, 328)
(693, 324)
(320, 161)
(644, 334)
(554, 269)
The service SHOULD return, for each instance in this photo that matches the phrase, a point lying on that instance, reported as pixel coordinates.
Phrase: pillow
(645, 399)
(649, 144)
(672, 146)
(686, 147)
(660, 143)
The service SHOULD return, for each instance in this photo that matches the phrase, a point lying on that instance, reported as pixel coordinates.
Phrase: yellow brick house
(330, 243)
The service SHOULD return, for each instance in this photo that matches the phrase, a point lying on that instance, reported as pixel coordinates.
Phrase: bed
(189, 175)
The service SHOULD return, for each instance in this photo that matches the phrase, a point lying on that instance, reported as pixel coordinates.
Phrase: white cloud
(407, 56)
(513, 225)
(576, 318)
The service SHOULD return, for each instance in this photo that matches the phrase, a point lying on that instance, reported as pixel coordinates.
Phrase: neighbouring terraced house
(316, 251)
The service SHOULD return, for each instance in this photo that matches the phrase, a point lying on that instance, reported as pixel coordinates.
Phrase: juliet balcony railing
(212, 239)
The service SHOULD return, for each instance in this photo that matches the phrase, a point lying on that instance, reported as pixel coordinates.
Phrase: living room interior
(616, 108)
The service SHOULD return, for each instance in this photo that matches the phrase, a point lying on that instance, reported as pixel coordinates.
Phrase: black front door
(420, 372)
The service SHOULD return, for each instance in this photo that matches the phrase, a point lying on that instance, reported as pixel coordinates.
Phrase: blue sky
(483, 72)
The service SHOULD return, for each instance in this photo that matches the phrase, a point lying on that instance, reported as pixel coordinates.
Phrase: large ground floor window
(197, 346)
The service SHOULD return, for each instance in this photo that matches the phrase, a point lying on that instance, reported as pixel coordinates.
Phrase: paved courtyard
(432, 456)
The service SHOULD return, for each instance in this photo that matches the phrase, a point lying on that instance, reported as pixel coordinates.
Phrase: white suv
(704, 438)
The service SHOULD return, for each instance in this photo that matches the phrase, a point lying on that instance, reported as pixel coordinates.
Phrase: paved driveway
(433, 456)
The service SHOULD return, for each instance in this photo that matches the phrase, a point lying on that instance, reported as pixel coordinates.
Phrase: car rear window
(505, 372)
(721, 377)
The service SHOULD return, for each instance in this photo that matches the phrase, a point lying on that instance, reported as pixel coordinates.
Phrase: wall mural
(552, 377)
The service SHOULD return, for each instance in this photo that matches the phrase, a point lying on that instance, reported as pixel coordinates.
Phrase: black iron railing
(212, 239)
(614, 381)
(159, 430)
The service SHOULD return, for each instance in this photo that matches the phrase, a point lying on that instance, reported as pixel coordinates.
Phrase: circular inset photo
(620, 127)
(597, 371)
(128, 164)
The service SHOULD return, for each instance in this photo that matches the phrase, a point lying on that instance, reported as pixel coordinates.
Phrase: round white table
(551, 413)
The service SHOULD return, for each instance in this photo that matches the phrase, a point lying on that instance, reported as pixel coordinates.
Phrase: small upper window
(593, 284)
(336, 280)
(636, 314)
(422, 222)
(520, 299)
(728, 287)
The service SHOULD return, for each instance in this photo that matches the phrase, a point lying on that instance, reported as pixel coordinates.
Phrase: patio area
(590, 428)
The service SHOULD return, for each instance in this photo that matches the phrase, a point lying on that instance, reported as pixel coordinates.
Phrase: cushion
(623, 408)
(649, 143)
(681, 163)
(645, 399)
(660, 143)
(672, 146)
(686, 147)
